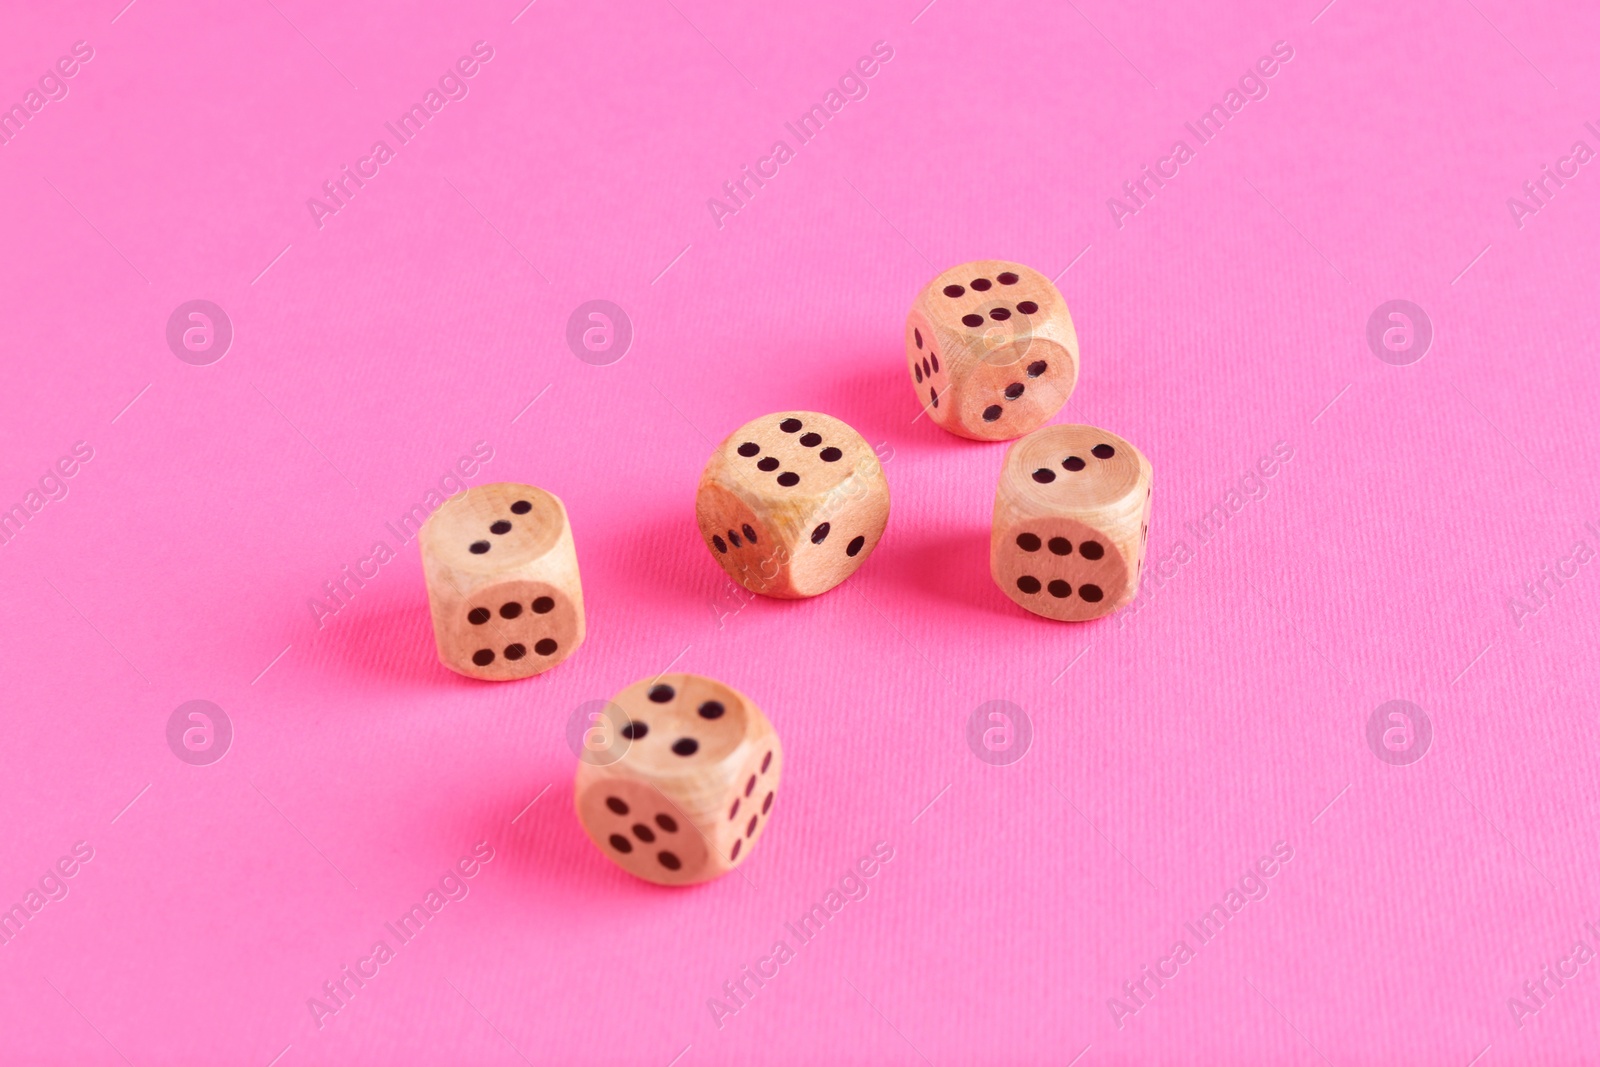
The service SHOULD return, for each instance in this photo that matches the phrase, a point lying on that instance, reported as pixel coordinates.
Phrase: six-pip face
(680, 786)
(512, 629)
(1061, 568)
(991, 350)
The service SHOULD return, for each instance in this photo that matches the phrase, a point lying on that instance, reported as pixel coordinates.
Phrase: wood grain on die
(503, 586)
(991, 350)
(792, 503)
(1071, 522)
(679, 787)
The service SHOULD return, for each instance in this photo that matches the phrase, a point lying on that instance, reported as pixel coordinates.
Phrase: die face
(691, 749)
(1060, 568)
(755, 789)
(679, 725)
(644, 832)
(507, 630)
(991, 350)
(1013, 391)
(1075, 469)
(930, 373)
(839, 539)
(789, 456)
(792, 503)
(744, 544)
(493, 528)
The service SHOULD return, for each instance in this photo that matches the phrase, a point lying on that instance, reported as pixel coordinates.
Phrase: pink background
(1172, 746)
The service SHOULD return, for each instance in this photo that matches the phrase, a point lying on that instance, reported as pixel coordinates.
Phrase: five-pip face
(1071, 522)
(502, 581)
(680, 787)
(991, 350)
(792, 503)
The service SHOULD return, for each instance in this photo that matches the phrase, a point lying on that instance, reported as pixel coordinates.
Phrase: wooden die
(991, 350)
(676, 783)
(792, 503)
(503, 583)
(1071, 520)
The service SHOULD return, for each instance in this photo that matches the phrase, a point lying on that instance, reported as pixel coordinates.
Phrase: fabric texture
(279, 276)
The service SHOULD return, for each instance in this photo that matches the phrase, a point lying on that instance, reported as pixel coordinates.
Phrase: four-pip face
(677, 785)
(502, 581)
(792, 503)
(1071, 522)
(991, 350)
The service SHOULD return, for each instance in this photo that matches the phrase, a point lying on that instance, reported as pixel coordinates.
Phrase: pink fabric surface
(1427, 534)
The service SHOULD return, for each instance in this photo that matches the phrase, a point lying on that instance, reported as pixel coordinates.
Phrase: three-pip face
(1071, 522)
(991, 350)
(502, 582)
(792, 503)
(679, 788)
